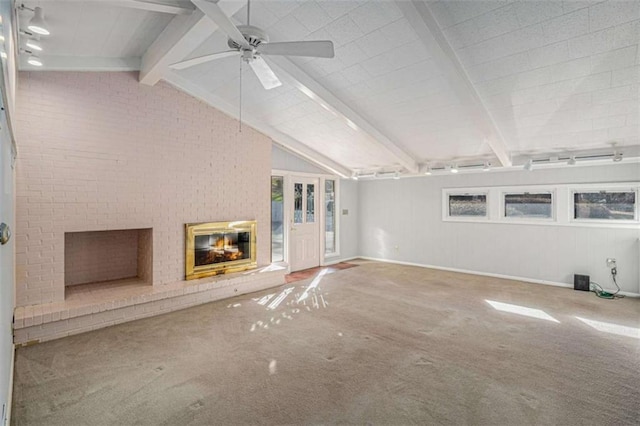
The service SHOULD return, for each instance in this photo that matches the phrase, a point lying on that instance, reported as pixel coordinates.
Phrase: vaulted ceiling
(412, 83)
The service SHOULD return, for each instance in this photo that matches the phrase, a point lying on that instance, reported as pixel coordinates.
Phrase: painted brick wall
(99, 151)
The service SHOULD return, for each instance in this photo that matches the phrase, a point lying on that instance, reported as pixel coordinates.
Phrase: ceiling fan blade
(202, 59)
(213, 11)
(264, 72)
(318, 49)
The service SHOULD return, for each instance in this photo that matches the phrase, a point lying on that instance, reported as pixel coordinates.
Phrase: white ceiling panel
(97, 29)
(546, 79)
(411, 82)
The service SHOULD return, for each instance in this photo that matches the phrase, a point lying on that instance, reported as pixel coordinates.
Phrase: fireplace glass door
(219, 247)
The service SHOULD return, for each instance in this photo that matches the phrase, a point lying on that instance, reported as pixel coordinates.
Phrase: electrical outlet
(611, 262)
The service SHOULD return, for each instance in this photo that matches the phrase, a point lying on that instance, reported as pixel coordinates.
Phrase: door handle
(5, 233)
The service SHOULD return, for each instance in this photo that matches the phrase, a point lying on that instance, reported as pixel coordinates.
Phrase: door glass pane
(311, 210)
(297, 203)
(330, 220)
(277, 218)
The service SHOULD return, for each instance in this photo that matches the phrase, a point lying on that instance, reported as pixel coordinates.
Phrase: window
(529, 205)
(277, 219)
(311, 206)
(604, 205)
(468, 205)
(329, 216)
(297, 203)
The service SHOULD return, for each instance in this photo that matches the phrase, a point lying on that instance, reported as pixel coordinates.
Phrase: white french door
(304, 227)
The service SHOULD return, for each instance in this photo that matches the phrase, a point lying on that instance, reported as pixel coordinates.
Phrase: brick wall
(99, 151)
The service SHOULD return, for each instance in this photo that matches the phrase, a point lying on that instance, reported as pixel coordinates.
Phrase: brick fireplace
(113, 170)
(103, 256)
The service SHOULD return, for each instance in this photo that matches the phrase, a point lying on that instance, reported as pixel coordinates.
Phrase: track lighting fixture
(31, 40)
(617, 156)
(572, 160)
(528, 166)
(427, 171)
(383, 175)
(486, 167)
(37, 24)
(454, 169)
(34, 60)
(360, 175)
(33, 44)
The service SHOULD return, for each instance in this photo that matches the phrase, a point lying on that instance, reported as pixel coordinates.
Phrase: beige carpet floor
(376, 344)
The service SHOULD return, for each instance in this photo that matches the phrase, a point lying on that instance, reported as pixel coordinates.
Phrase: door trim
(287, 176)
(305, 180)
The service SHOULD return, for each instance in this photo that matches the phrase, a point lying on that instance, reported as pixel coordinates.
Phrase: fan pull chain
(240, 102)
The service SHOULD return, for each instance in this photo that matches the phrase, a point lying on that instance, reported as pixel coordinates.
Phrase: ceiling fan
(251, 43)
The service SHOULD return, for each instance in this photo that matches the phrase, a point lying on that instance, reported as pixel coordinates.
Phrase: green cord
(599, 291)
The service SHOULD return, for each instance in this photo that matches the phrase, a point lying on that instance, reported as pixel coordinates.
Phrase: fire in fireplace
(222, 247)
(219, 247)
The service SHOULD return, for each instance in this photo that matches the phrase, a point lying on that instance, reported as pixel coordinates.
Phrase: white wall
(348, 222)
(401, 220)
(6, 270)
(284, 160)
(7, 214)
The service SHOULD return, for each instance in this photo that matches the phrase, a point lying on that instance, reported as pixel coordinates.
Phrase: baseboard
(340, 260)
(486, 274)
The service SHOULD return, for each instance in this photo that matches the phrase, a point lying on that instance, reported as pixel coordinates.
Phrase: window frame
(288, 174)
(524, 191)
(447, 211)
(336, 217)
(563, 201)
(284, 245)
(600, 189)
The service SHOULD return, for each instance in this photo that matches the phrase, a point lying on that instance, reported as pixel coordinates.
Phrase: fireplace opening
(219, 247)
(222, 247)
(108, 256)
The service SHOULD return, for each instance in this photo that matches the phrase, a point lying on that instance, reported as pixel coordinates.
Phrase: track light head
(528, 166)
(617, 156)
(572, 160)
(37, 24)
(33, 45)
(35, 61)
